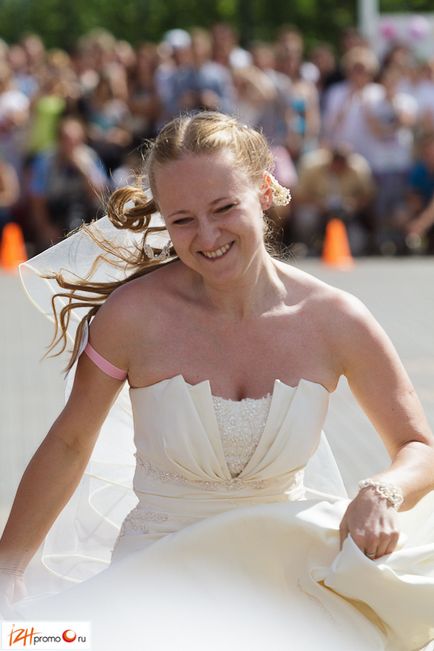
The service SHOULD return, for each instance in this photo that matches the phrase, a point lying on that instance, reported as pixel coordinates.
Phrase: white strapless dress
(227, 548)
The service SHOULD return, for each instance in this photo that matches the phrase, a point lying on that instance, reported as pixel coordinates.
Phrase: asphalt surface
(399, 292)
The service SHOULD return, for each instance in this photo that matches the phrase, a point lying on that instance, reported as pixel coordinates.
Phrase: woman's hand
(372, 523)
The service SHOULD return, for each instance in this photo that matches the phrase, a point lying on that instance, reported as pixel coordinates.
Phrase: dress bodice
(178, 438)
(199, 454)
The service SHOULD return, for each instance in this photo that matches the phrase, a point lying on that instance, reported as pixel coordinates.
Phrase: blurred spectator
(255, 93)
(332, 183)
(175, 53)
(276, 115)
(24, 80)
(351, 38)
(415, 80)
(290, 39)
(9, 192)
(330, 68)
(421, 196)
(345, 110)
(400, 56)
(66, 184)
(323, 57)
(143, 100)
(35, 53)
(98, 48)
(14, 116)
(107, 114)
(391, 116)
(48, 106)
(305, 119)
(14, 104)
(84, 66)
(226, 49)
(199, 83)
(426, 96)
(125, 56)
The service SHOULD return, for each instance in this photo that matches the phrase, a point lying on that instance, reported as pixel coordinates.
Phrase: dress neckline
(181, 377)
(200, 401)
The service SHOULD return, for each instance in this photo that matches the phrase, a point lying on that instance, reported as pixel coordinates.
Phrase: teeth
(218, 252)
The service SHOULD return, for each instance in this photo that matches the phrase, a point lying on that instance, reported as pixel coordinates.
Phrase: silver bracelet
(392, 493)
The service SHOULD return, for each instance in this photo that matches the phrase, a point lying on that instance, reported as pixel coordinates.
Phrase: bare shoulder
(129, 315)
(321, 297)
(342, 318)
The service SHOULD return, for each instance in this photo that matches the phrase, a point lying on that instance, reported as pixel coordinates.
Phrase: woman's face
(214, 214)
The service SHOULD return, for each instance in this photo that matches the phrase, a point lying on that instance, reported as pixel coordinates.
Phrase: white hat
(177, 38)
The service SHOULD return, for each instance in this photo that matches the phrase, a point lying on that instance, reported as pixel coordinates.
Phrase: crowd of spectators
(352, 136)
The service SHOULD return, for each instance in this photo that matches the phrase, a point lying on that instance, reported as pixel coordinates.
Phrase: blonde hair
(132, 208)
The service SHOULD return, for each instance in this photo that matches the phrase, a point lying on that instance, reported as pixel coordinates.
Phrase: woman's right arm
(59, 463)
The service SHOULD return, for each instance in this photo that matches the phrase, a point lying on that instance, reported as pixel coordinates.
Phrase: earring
(165, 251)
(163, 255)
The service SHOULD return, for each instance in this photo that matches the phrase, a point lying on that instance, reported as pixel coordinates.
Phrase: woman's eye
(183, 220)
(225, 208)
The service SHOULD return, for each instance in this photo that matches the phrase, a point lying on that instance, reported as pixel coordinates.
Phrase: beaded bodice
(241, 424)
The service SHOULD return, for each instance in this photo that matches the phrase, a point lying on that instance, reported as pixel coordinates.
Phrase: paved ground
(399, 292)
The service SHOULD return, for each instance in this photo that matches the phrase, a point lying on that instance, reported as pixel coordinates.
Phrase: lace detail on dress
(241, 425)
(135, 522)
(176, 477)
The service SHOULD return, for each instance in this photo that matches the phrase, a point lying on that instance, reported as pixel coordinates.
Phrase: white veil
(80, 542)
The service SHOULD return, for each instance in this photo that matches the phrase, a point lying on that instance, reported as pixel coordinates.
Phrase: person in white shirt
(391, 116)
(345, 116)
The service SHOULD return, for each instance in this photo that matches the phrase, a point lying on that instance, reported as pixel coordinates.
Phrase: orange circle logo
(68, 635)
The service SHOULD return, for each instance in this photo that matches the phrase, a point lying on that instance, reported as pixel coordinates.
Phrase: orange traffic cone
(12, 248)
(336, 251)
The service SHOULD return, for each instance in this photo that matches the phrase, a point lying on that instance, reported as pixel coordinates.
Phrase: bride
(231, 356)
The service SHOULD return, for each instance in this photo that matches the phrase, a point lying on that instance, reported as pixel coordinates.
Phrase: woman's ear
(266, 193)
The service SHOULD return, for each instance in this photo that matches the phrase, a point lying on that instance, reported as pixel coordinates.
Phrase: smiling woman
(219, 230)
(231, 356)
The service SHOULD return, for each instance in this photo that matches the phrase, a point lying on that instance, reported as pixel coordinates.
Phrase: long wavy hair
(132, 208)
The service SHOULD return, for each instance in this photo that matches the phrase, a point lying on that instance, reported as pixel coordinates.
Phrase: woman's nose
(207, 234)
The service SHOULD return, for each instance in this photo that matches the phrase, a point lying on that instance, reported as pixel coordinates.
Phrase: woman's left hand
(372, 523)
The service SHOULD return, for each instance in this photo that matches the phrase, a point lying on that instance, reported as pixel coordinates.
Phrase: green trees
(61, 22)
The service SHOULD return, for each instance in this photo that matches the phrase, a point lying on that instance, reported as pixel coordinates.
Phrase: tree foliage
(61, 22)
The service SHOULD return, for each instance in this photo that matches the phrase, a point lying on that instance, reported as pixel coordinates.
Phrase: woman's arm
(58, 465)
(383, 389)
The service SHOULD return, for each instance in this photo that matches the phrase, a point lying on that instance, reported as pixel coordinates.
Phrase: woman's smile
(217, 254)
